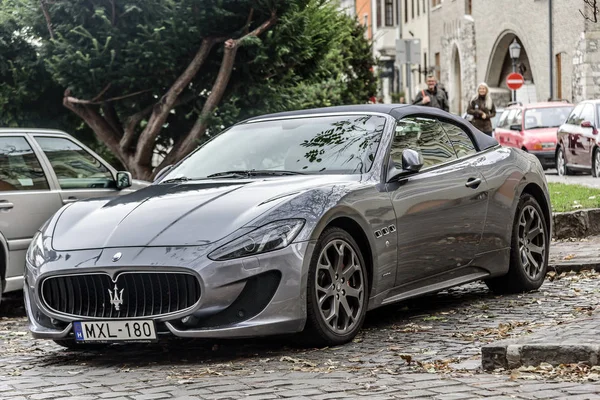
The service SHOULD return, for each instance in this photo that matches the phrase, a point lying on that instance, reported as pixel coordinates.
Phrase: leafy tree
(145, 73)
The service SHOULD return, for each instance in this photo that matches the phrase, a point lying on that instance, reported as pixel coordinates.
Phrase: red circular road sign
(515, 81)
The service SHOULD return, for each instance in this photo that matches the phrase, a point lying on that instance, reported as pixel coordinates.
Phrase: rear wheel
(529, 250)
(596, 163)
(337, 290)
(561, 163)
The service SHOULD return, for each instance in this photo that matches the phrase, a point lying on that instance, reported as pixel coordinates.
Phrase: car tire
(71, 344)
(329, 300)
(596, 163)
(561, 163)
(528, 252)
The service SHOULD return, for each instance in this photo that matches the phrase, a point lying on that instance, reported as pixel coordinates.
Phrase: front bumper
(253, 296)
(547, 157)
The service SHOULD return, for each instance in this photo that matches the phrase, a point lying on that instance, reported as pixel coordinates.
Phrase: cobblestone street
(426, 348)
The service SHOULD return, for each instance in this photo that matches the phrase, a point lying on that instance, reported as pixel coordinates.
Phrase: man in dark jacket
(432, 97)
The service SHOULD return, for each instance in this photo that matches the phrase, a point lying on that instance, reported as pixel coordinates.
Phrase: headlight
(274, 236)
(36, 254)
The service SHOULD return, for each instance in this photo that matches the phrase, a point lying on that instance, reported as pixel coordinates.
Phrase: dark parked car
(294, 222)
(578, 140)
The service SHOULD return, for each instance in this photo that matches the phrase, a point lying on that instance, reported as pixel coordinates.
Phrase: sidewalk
(572, 342)
(575, 255)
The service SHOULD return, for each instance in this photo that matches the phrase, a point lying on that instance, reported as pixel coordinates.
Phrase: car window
(461, 141)
(425, 136)
(75, 168)
(587, 114)
(496, 118)
(506, 118)
(573, 118)
(518, 118)
(344, 144)
(546, 117)
(19, 167)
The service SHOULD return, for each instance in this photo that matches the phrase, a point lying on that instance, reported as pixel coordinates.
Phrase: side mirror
(162, 173)
(588, 124)
(124, 180)
(515, 127)
(412, 162)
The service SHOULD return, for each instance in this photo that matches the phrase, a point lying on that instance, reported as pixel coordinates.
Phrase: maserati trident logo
(116, 297)
(117, 256)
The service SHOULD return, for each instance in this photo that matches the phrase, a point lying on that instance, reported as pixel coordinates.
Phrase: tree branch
(80, 101)
(218, 89)
(47, 16)
(164, 106)
(102, 92)
(111, 117)
(593, 4)
(98, 124)
(114, 13)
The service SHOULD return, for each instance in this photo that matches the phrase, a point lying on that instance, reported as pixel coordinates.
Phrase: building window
(418, 8)
(379, 17)
(424, 6)
(420, 74)
(469, 7)
(425, 63)
(389, 12)
(437, 66)
(398, 11)
(412, 9)
(405, 10)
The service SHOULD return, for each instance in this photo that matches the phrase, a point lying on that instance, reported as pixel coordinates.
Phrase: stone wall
(586, 64)
(459, 50)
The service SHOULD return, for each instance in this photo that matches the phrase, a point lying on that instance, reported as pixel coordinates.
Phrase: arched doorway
(500, 66)
(456, 83)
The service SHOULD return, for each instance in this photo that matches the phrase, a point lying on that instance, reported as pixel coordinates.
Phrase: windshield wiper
(175, 180)
(252, 172)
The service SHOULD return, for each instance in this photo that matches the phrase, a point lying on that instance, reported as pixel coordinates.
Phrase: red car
(578, 140)
(532, 128)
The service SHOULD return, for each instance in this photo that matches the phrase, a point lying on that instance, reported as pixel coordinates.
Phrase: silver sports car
(293, 222)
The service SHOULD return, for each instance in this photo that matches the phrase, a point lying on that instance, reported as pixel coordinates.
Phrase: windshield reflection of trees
(346, 141)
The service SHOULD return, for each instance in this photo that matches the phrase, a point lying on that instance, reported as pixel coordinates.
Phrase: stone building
(469, 43)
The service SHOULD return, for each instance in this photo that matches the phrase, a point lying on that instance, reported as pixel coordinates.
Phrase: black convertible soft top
(482, 141)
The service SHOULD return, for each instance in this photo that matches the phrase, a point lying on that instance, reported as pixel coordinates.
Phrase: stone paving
(424, 348)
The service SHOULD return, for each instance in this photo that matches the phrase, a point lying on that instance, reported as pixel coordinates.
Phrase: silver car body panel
(176, 225)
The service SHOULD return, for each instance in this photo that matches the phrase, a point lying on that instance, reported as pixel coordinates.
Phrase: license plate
(114, 331)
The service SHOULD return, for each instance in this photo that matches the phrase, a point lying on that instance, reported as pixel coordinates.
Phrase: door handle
(70, 199)
(5, 205)
(473, 183)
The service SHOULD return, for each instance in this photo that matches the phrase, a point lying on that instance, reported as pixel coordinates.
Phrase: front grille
(143, 294)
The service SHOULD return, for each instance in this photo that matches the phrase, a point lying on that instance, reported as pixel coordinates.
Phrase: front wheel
(561, 163)
(529, 250)
(596, 163)
(337, 290)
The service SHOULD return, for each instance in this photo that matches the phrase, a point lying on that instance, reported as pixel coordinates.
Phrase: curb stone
(575, 267)
(578, 224)
(508, 355)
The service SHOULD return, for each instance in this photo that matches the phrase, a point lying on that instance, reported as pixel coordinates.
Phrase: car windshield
(309, 145)
(548, 117)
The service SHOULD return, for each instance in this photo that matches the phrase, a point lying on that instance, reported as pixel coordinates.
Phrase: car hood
(542, 134)
(186, 214)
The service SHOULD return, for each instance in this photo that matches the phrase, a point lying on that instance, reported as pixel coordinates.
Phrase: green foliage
(134, 50)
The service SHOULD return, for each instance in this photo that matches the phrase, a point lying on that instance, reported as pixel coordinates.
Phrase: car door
(79, 174)
(586, 137)
(569, 134)
(26, 199)
(503, 134)
(440, 211)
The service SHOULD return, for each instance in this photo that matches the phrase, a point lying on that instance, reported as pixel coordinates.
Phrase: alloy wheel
(532, 241)
(340, 286)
